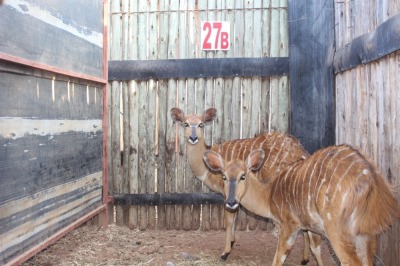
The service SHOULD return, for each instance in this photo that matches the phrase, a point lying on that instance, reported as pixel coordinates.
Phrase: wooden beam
(370, 46)
(168, 199)
(56, 70)
(197, 68)
(311, 44)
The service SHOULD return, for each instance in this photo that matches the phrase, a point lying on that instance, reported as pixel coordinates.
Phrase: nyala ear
(255, 159)
(177, 115)
(209, 115)
(214, 161)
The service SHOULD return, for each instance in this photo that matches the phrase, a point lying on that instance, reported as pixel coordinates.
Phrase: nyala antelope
(284, 151)
(336, 192)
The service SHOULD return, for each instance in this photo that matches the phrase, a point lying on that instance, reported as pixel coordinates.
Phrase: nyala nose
(193, 138)
(231, 203)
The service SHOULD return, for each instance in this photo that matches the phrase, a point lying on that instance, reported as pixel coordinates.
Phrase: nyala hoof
(224, 256)
(304, 262)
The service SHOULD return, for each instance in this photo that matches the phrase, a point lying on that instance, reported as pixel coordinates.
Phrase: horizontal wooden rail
(168, 199)
(370, 46)
(41, 66)
(197, 68)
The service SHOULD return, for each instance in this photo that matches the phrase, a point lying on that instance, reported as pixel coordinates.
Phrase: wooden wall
(367, 102)
(50, 124)
(155, 149)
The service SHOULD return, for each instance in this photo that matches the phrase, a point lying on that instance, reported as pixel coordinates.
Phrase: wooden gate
(163, 39)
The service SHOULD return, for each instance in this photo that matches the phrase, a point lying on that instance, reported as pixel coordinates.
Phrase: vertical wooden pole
(182, 101)
(125, 109)
(283, 88)
(202, 90)
(133, 101)
(171, 160)
(163, 165)
(103, 216)
(192, 184)
(143, 91)
(115, 109)
(152, 110)
(265, 81)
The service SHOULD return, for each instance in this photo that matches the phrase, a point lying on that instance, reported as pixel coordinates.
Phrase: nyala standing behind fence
(335, 192)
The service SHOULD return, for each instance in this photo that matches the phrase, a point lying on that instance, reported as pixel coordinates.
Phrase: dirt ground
(90, 245)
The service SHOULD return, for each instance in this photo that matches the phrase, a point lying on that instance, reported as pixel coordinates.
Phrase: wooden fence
(154, 158)
(368, 97)
(51, 130)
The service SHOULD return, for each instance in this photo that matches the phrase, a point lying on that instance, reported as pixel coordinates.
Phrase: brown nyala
(336, 192)
(281, 150)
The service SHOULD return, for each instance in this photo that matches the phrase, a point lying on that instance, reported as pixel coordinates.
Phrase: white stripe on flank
(17, 127)
(338, 186)
(47, 17)
(316, 192)
(331, 177)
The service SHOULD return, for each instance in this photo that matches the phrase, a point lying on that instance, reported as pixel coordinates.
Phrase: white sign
(215, 35)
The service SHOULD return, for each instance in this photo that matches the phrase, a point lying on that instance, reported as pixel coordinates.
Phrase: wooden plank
(370, 46)
(34, 162)
(169, 199)
(125, 108)
(162, 167)
(215, 211)
(143, 91)
(52, 239)
(198, 68)
(133, 102)
(192, 184)
(265, 83)
(152, 111)
(274, 51)
(311, 45)
(26, 95)
(115, 111)
(283, 81)
(340, 86)
(171, 159)
(203, 91)
(25, 37)
(393, 253)
(180, 216)
(49, 211)
(236, 82)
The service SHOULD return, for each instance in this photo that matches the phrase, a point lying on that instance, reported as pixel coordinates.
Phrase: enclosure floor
(89, 245)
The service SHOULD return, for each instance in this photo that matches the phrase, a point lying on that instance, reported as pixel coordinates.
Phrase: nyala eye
(186, 124)
(223, 177)
(243, 177)
(201, 125)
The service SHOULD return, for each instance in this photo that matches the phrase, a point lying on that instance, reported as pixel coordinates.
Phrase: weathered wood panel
(25, 26)
(171, 30)
(51, 155)
(311, 72)
(367, 100)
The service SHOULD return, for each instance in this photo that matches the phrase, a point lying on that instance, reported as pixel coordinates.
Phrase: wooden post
(143, 91)
(171, 160)
(201, 106)
(133, 101)
(163, 167)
